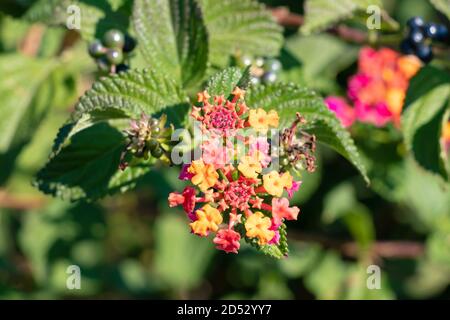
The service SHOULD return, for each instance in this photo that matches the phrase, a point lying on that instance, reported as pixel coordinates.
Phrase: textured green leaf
(427, 102)
(172, 37)
(443, 6)
(96, 16)
(92, 138)
(29, 89)
(87, 165)
(288, 99)
(243, 26)
(225, 81)
(321, 14)
(131, 93)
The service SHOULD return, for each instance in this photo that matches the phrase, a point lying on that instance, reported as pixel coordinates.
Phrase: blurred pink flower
(344, 112)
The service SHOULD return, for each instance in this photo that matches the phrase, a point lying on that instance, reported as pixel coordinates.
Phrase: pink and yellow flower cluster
(378, 90)
(234, 195)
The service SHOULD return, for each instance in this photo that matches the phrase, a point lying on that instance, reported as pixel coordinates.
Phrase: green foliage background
(130, 244)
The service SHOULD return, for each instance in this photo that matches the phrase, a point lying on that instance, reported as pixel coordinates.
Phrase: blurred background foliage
(134, 246)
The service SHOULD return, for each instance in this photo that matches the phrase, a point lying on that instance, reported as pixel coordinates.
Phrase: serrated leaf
(172, 37)
(29, 88)
(288, 99)
(443, 6)
(321, 14)
(87, 165)
(75, 168)
(96, 17)
(240, 26)
(225, 81)
(131, 93)
(427, 101)
(272, 251)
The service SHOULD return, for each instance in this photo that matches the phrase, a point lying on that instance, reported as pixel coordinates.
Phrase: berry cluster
(112, 52)
(420, 36)
(262, 70)
(235, 192)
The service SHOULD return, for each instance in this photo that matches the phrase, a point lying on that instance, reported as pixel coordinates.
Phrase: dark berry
(96, 49)
(114, 56)
(114, 39)
(269, 77)
(273, 65)
(416, 36)
(424, 53)
(103, 64)
(407, 47)
(129, 45)
(157, 152)
(431, 30)
(442, 33)
(122, 68)
(415, 22)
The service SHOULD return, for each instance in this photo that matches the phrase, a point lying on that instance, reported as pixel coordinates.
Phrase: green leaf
(425, 195)
(92, 137)
(181, 266)
(96, 18)
(240, 26)
(321, 14)
(302, 259)
(443, 6)
(426, 105)
(316, 60)
(326, 280)
(341, 202)
(224, 82)
(29, 89)
(87, 165)
(288, 99)
(132, 93)
(172, 37)
(356, 284)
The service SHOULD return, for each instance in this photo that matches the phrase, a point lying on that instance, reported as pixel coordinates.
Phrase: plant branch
(31, 43)
(9, 201)
(385, 249)
(288, 19)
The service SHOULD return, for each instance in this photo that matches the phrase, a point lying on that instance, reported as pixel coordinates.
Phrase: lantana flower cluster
(377, 92)
(234, 192)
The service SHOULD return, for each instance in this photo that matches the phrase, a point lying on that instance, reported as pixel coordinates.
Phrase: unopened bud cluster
(148, 137)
